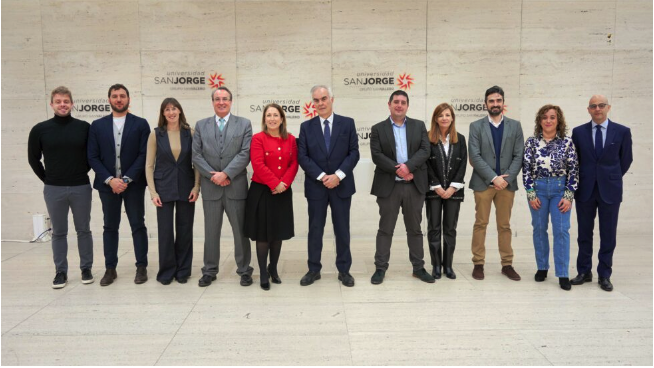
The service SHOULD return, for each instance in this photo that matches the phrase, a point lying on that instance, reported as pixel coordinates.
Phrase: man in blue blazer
(116, 152)
(604, 150)
(328, 151)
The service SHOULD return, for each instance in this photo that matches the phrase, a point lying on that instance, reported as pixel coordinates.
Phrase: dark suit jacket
(382, 148)
(314, 159)
(174, 179)
(607, 170)
(444, 169)
(133, 148)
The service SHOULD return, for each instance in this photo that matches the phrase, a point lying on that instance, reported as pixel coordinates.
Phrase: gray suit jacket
(232, 158)
(481, 152)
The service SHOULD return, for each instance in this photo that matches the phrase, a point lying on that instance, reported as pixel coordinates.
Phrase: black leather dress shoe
(182, 280)
(378, 277)
(246, 280)
(346, 279)
(449, 273)
(436, 272)
(605, 283)
(581, 278)
(540, 276)
(309, 278)
(423, 275)
(166, 282)
(274, 276)
(206, 280)
(265, 286)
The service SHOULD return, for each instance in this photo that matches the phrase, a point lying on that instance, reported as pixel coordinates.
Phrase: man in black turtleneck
(61, 141)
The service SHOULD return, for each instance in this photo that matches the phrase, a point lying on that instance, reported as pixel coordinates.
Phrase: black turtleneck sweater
(62, 143)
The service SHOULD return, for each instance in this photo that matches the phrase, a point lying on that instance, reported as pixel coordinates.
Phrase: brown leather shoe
(109, 277)
(510, 273)
(478, 272)
(141, 275)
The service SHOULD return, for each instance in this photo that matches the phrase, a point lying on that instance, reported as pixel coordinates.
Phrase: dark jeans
(135, 208)
(58, 200)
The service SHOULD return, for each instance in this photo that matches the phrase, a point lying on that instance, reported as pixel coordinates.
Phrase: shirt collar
(604, 125)
(395, 125)
(226, 118)
(490, 120)
(330, 119)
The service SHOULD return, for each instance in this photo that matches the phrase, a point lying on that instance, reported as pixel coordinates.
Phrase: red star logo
(404, 81)
(216, 80)
(310, 110)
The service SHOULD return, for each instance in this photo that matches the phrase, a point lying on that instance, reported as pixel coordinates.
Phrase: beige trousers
(503, 200)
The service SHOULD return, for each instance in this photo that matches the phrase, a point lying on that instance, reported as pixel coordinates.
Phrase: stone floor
(401, 322)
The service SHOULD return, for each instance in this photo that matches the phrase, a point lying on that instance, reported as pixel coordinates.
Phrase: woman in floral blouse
(550, 173)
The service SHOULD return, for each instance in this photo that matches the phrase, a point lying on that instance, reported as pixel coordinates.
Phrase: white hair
(319, 86)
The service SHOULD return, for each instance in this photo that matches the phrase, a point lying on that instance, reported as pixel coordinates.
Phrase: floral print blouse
(556, 158)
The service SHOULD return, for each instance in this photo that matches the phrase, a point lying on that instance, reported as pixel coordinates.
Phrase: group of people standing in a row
(414, 167)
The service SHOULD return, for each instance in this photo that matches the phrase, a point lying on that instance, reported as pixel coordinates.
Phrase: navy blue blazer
(607, 170)
(314, 159)
(101, 150)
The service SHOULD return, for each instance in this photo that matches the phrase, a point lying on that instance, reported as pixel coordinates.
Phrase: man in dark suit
(400, 148)
(604, 150)
(221, 153)
(328, 151)
(116, 151)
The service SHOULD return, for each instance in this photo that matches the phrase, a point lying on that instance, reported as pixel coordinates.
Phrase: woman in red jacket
(269, 207)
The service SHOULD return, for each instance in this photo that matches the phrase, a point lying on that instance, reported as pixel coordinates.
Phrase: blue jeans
(550, 191)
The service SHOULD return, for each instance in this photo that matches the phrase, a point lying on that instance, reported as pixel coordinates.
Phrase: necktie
(598, 141)
(327, 134)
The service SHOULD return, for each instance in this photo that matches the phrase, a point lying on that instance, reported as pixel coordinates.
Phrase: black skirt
(268, 217)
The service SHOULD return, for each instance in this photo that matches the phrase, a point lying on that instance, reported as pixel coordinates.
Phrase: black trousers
(175, 252)
(442, 218)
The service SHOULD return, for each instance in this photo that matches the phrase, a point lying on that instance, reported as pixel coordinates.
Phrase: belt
(403, 182)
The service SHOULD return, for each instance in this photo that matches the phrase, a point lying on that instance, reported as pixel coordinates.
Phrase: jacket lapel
(336, 130)
(109, 132)
(487, 130)
(127, 129)
(507, 131)
(320, 135)
(390, 137)
(591, 138)
(410, 131)
(610, 135)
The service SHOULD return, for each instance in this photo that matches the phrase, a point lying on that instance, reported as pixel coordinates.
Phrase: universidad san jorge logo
(309, 110)
(405, 81)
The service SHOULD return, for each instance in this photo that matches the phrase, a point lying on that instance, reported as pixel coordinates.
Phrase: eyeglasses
(594, 106)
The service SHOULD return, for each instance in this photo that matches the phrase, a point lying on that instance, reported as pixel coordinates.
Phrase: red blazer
(274, 160)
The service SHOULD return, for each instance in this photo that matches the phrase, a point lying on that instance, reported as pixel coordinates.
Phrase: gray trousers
(58, 199)
(213, 222)
(411, 200)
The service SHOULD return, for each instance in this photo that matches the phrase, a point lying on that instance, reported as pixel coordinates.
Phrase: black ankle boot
(274, 276)
(565, 284)
(449, 273)
(540, 276)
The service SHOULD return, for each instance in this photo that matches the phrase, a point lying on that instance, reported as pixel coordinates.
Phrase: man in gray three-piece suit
(495, 149)
(221, 152)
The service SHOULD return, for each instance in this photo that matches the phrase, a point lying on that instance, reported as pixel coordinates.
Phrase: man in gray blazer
(399, 147)
(221, 152)
(495, 149)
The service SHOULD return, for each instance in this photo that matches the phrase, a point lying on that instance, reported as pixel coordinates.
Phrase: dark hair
(163, 123)
(435, 131)
(494, 89)
(116, 87)
(561, 127)
(399, 92)
(213, 93)
(282, 127)
(61, 90)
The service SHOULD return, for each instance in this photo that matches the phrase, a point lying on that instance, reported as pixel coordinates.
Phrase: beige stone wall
(539, 51)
